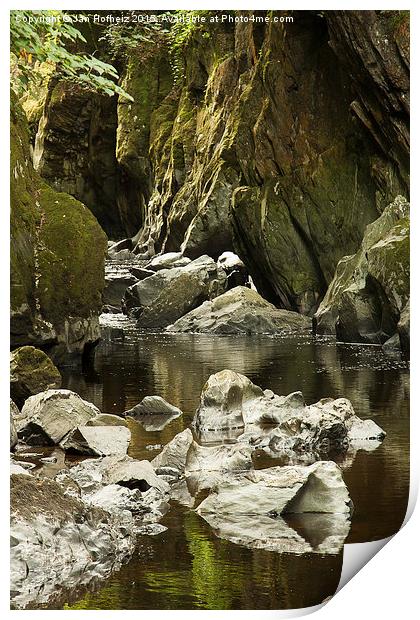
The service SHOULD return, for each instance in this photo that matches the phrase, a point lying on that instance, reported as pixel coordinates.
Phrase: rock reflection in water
(314, 533)
(198, 570)
(189, 567)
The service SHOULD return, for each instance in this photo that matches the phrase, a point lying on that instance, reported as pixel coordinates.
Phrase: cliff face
(56, 278)
(282, 141)
(266, 153)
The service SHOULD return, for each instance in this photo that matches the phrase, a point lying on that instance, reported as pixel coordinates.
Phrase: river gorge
(210, 312)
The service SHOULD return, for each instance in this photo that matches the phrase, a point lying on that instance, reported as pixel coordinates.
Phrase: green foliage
(38, 37)
(121, 39)
(185, 24)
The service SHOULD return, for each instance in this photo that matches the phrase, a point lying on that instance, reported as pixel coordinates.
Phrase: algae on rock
(370, 289)
(56, 278)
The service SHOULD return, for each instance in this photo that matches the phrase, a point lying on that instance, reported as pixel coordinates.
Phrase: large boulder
(241, 311)
(47, 417)
(97, 440)
(31, 372)
(223, 399)
(281, 425)
(58, 539)
(370, 289)
(161, 299)
(318, 488)
(56, 278)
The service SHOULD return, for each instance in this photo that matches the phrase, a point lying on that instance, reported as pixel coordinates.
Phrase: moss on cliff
(370, 289)
(57, 255)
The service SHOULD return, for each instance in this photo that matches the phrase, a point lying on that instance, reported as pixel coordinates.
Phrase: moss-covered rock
(31, 372)
(371, 288)
(57, 258)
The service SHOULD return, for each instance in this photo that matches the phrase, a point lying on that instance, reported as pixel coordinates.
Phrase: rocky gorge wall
(282, 141)
(56, 279)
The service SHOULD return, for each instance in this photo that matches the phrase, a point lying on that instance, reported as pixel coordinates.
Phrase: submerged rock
(31, 372)
(97, 440)
(370, 289)
(161, 299)
(47, 417)
(282, 425)
(241, 311)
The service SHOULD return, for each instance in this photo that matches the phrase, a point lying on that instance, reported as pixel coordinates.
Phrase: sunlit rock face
(81, 525)
(174, 454)
(317, 488)
(223, 399)
(282, 425)
(202, 459)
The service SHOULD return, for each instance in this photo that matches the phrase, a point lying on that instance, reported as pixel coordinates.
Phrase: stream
(188, 566)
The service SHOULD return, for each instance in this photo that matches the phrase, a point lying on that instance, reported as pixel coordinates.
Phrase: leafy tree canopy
(39, 37)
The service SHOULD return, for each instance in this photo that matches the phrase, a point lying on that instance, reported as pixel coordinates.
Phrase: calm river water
(187, 566)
